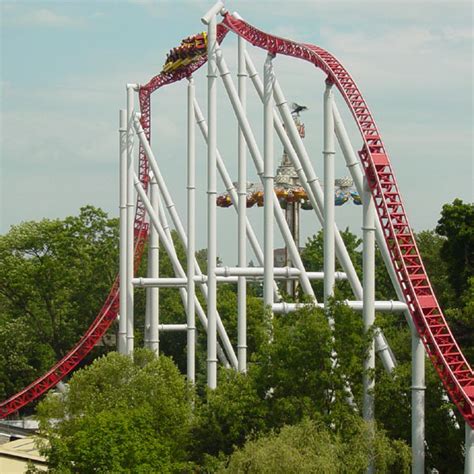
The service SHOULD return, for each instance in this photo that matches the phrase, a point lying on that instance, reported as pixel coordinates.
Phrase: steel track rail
(110, 309)
(441, 346)
(448, 360)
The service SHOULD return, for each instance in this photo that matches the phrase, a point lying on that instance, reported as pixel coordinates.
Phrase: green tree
(311, 447)
(54, 276)
(119, 415)
(312, 257)
(457, 225)
(293, 369)
(228, 415)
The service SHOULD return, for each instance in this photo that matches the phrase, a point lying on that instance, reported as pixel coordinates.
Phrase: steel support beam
(122, 331)
(191, 225)
(130, 217)
(211, 202)
(268, 180)
(242, 215)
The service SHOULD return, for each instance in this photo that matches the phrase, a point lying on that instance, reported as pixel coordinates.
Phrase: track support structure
(211, 199)
(418, 388)
(122, 331)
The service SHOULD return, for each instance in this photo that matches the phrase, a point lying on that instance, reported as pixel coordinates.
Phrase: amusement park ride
(145, 198)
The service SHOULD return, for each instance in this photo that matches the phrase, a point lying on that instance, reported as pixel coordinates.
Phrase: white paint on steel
(173, 327)
(177, 267)
(469, 450)
(268, 180)
(211, 199)
(122, 331)
(166, 198)
(212, 12)
(191, 225)
(382, 306)
(152, 339)
(130, 218)
(230, 188)
(418, 388)
(258, 162)
(329, 206)
(368, 309)
(242, 216)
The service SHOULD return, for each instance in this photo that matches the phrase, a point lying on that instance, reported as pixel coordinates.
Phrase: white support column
(168, 202)
(469, 451)
(417, 404)
(130, 217)
(242, 216)
(211, 204)
(268, 178)
(122, 331)
(368, 309)
(152, 340)
(191, 225)
(254, 243)
(258, 161)
(329, 215)
(168, 245)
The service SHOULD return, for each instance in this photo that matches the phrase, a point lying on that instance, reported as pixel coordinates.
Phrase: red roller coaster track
(448, 360)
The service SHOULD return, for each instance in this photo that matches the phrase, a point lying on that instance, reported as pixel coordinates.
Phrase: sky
(64, 66)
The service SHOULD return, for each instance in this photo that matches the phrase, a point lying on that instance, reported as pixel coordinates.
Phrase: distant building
(279, 257)
(15, 455)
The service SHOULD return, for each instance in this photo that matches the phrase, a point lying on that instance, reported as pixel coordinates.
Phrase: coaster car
(223, 200)
(190, 50)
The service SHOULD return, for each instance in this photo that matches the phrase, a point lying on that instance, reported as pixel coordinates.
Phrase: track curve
(445, 354)
(110, 309)
(448, 360)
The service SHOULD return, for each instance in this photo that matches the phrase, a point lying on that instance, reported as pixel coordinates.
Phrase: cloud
(20, 15)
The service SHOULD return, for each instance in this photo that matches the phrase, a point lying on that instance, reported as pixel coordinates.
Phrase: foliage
(457, 225)
(289, 408)
(293, 369)
(312, 257)
(119, 415)
(311, 447)
(228, 415)
(54, 275)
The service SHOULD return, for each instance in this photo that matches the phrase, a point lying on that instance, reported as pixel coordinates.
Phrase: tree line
(54, 275)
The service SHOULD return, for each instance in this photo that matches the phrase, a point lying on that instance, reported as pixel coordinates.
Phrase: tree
(457, 225)
(228, 415)
(293, 369)
(310, 447)
(119, 415)
(54, 276)
(312, 257)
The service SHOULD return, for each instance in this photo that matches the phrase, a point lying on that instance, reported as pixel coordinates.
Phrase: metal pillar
(417, 404)
(151, 326)
(191, 224)
(211, 203)
(254, 243)
(469, 451)
(268, 179)
(130, 217)
(166, 200)
(329, 214)
(167, 243)
(242, 216)
(368, 311)
(122, 331)
(258, 161)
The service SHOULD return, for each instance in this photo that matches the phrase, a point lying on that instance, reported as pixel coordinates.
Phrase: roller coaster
(385, 220)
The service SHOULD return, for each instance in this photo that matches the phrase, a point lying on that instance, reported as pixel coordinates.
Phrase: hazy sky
(64, 66)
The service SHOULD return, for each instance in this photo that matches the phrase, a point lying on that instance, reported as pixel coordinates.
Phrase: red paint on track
(445, 354)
